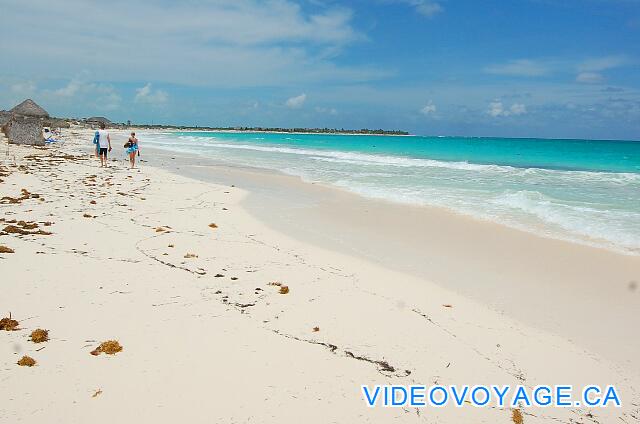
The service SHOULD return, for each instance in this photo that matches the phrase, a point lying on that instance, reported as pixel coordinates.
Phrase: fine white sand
(203, 348)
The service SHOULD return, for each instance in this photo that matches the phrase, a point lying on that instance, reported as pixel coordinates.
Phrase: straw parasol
(29, 108)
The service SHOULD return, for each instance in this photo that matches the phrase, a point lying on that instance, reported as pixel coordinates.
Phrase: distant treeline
(283, 130)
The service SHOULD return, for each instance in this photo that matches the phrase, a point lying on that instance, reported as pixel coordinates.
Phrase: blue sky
(545, 68)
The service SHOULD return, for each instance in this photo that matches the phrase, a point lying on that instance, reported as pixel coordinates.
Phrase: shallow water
(582, 190)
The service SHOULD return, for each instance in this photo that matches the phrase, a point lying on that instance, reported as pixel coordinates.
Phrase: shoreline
(201, 347)
(526, 205)
(394, 235)
(539, 231)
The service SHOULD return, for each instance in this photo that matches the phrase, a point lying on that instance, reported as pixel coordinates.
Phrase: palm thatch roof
(29, 108)
(99, 119)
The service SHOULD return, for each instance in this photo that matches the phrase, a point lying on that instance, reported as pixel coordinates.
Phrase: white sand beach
(208, 337)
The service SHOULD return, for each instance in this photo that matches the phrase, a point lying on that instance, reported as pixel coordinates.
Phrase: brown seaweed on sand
(27, 225)
(5, 249)
(284, 290)
(110, 347)
(13, 200)
(8, 324)
(190, 255)
(26, 361)
(13, 229)
(516, 416)
(39, 335)
(212, 225)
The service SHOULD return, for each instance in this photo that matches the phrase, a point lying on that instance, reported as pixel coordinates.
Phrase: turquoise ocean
(587, 191)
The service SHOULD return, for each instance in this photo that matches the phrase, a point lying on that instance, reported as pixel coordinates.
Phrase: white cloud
(429, 109)
(71, 89)
(23, 88)
(108, 100)
(497, 109)
(147, 95)
(98, 96)
(519, 67)
(589, 77)
(296, 102)
(603, 63)
(518, 109)
(330, 111)
(428, 8)
(590, 71)
(220, 46)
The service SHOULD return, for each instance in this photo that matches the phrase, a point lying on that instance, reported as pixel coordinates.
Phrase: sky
(509, 68)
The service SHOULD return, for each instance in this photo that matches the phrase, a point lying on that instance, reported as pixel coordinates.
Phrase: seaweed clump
(26, 361)
(5, 249)
(5, 200)
(22, 228)
(8, 324)
(110, 347)
(516, 417)
(39, 335)
(284, 290)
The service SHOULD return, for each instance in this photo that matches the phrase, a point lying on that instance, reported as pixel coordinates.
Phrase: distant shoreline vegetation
(364, 131)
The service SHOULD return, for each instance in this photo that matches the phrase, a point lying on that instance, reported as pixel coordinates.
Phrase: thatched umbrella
(98, 120)
(29, 108)
(25, 125)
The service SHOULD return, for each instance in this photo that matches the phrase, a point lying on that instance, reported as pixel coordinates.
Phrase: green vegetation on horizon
(273, 129)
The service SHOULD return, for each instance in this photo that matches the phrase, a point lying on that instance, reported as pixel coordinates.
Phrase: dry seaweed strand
(284, 290)
(27, 225)
(13, 229)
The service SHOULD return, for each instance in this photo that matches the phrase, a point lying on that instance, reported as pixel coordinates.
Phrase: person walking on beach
(104, 141)
(96, 137)
(132, 149)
